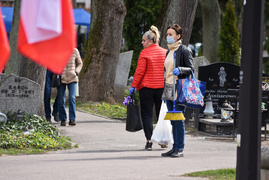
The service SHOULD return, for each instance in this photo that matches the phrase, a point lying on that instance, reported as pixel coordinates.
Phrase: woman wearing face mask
(184, 67)
(149, 80)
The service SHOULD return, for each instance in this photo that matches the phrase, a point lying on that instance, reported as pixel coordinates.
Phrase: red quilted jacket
(150, 68)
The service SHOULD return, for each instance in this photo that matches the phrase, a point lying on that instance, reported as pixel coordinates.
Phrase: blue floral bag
(190, 92)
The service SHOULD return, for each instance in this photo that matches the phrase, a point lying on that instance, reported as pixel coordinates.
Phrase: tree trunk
(20, 65)
(99, 67)
(211, 28)
(180, 12)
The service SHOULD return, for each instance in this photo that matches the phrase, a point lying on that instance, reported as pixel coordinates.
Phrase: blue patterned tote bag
(190, 92)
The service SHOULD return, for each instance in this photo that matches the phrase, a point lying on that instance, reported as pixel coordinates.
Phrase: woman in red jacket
(149, 80)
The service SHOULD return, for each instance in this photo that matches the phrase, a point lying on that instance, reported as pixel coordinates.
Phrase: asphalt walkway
(108, 152)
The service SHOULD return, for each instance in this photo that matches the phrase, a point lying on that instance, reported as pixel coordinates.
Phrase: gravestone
(219, 78)
(122, 74)
(199, 61)
(123, 68)
(19, 93)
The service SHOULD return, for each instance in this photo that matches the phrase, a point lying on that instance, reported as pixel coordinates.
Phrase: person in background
(47, 95)
(69, 78)
(149, 80)
(184, 67)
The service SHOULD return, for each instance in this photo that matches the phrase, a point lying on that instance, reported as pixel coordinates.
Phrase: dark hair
(177, 28)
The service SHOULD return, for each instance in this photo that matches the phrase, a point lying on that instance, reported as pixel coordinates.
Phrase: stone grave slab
(123, 68)
(216, 127)
(199, 61)
(19, 93)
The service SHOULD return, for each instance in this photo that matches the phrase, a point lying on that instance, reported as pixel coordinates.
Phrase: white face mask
(170, 40)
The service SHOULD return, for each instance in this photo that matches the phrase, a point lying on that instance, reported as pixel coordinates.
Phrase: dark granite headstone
(19, 93)
(219, 78)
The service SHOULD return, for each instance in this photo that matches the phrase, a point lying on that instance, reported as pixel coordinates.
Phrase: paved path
(107, 151)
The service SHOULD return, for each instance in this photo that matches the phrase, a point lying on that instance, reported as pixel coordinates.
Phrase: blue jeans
(47, 95)
(72, 87)
(178, 127)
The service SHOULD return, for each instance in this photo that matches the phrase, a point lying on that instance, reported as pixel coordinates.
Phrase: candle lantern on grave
(19, 116)
(3, 118)
(208, 112)
(226, 111)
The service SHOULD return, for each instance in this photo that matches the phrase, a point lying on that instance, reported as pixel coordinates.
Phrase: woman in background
(69, 78)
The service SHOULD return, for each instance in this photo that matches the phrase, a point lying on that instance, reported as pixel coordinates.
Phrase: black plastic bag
(134, 120)
(56, 80)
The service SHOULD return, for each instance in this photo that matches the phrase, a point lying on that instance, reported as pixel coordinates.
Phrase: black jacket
(184, 61)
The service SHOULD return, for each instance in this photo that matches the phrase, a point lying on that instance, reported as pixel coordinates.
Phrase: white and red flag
(47, 32)
(4, 45)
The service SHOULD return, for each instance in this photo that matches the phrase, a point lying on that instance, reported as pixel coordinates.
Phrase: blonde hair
(153, 34)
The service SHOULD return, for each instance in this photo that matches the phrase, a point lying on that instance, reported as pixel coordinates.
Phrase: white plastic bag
(162, 133)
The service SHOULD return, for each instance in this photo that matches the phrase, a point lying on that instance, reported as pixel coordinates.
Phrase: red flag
(53, 52)
(4, 46)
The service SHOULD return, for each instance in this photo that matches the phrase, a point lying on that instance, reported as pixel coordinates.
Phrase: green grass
(118, 110)
(14, 151)
(219, 174)
(33, 150)
(104, 109)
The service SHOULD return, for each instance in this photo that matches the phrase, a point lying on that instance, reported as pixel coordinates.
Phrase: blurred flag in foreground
(4, 46)
(47, 32)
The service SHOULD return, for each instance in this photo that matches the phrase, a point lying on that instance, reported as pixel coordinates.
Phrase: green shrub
(229, 37)
(32, 132)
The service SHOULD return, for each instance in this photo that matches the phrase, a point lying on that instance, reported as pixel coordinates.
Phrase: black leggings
(147, 97)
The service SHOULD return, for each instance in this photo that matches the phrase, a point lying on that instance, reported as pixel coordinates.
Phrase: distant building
(85, 4)
(7, 3)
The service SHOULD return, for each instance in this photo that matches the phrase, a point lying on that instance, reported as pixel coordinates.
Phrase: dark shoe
(48, 119)
(56, 117)
(72, 122)
(177, 153)
(168, 154)
(148, 146)
(63, 123)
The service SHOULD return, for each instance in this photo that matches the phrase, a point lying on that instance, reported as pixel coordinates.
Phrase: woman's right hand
(176, 71)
